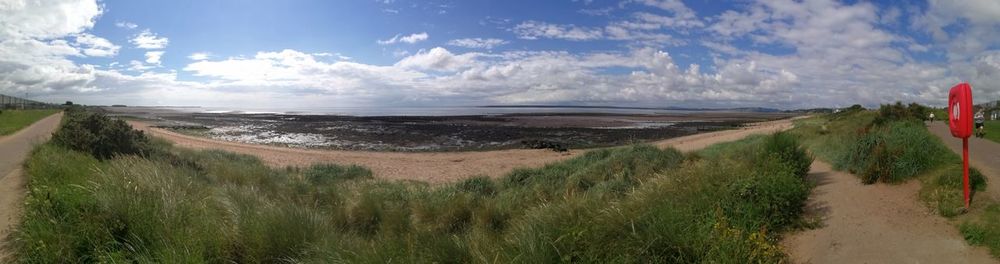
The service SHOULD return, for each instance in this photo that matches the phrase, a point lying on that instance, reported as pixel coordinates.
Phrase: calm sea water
(421, 111)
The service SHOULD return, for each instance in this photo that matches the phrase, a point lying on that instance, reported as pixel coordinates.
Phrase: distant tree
(68, 103)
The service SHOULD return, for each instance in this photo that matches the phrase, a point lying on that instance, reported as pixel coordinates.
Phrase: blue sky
(365, 53)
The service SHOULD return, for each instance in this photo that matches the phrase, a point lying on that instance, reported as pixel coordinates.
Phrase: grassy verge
(993, 130)
(13, 120)
(150, 202)
(891, 146)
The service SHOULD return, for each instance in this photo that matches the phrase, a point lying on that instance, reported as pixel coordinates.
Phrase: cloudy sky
(367, 53)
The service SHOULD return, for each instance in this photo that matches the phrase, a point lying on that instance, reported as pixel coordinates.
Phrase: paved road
(13, 150)
(875, 223)
(983, 155)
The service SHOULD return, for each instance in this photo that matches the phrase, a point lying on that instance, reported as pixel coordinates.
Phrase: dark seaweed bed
(419, 133)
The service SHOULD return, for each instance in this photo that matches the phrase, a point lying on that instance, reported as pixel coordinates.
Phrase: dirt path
(984, 155)
(438, 166)
(877, 223)
(13, 150)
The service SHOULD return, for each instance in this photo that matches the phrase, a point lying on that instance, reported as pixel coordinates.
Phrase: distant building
(991, 110)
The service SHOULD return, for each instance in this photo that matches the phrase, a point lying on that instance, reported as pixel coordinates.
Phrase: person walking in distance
(931, 117)
(980, 124)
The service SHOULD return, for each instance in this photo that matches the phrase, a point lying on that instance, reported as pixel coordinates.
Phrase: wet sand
(441, 133)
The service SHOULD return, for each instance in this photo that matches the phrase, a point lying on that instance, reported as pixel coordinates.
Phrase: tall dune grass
(627, 204)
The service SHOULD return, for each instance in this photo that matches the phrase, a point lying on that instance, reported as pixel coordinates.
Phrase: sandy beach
(438, 167)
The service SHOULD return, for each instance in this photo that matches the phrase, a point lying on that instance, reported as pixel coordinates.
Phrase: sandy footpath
(877, 223)
(13, 150)
(439, 167)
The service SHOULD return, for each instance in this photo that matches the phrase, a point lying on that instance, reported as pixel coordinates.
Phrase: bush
(900, 112)
(99, 135)
(788, 149)
(894, 152)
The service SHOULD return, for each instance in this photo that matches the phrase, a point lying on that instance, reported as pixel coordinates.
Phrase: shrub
(99, 135)
(788, 149)
(900, 112)
(894, 152)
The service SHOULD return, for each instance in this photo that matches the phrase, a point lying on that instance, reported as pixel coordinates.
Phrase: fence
(10, 102)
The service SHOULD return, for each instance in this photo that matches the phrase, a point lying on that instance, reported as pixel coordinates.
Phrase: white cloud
(803, 54)
(125, 24)
(411, 39)
(643, 28)
(95, 46)
(439, 59)
(199, 56)
(138, 66)
(682, 15)
(625, 32)
(149, 40)
(34, 46)
(400, 53)
(597, 12)
(438, 75)
(153, 57)
(335, 55)
(975, 11)
(477, 43)
(537, 29)
(46, 19)
(414, 38)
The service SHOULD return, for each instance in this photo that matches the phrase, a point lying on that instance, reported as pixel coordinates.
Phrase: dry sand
(13, 150)
(437, 167)
(877, 223)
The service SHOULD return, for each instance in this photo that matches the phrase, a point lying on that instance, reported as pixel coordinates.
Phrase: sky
(782, 54)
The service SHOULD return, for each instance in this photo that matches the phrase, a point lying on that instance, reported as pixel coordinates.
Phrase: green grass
(726, 204)
(993, 130)
(13, 120)
(985, 229)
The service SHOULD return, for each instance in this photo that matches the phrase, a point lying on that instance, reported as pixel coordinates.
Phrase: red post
(960, 123)
(965, 170)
